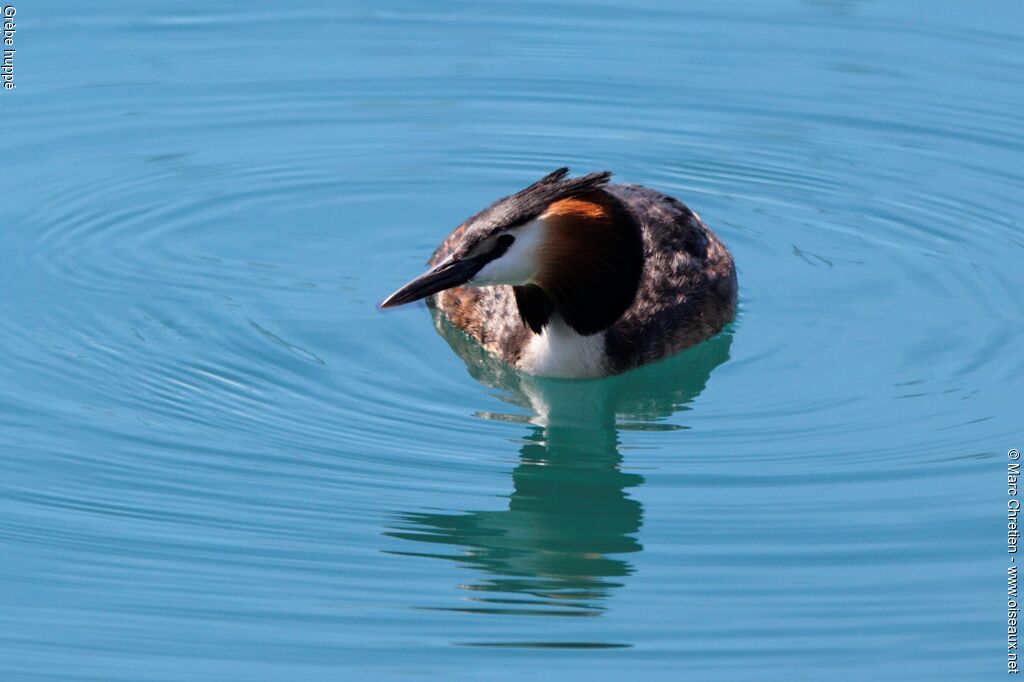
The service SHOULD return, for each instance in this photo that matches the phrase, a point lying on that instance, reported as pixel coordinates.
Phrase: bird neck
(591, 265)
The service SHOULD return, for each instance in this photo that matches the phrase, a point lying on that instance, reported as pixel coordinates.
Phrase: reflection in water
(557, 544)
(561, 545)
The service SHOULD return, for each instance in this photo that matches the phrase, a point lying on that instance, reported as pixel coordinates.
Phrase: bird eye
(506, 240)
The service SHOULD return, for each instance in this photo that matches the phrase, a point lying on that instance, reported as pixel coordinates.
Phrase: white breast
(559, 351)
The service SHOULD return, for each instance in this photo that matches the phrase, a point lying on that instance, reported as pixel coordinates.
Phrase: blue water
(219, 461)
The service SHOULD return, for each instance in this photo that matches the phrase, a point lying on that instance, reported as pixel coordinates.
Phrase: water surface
(219, 461)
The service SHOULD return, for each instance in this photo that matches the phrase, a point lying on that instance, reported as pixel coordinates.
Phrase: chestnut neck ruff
(591, 260)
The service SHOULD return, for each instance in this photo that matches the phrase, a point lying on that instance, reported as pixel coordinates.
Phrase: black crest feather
(519, 208)
(553, 187)
(528, 203)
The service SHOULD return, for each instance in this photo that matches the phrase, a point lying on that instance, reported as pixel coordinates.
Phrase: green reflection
(562, 544)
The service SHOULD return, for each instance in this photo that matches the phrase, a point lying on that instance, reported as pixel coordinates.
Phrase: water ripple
(202, 403)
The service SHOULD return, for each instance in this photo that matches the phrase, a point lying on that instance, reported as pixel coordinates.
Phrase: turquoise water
(220, 461)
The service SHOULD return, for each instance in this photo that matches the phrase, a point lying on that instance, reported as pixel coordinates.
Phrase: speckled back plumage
(687, 290)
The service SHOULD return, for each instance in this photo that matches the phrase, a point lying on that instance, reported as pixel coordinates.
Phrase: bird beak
(450, 273)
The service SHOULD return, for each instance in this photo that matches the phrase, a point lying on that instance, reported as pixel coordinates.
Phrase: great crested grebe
(576, 277)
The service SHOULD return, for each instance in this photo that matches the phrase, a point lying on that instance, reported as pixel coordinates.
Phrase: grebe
(576, 277)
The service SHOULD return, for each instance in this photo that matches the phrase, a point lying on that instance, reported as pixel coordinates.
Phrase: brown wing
(489, 315)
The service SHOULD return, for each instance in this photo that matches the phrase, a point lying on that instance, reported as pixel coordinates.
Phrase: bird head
(566, 245)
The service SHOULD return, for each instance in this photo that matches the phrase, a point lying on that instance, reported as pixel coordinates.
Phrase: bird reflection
(562, 545)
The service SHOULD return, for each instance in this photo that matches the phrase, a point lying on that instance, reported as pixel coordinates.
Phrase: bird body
(581, 278)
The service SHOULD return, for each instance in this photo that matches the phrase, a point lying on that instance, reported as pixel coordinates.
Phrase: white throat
(558, 351)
